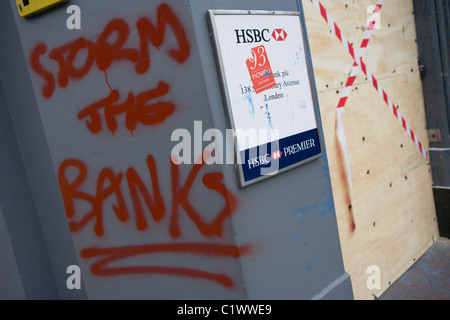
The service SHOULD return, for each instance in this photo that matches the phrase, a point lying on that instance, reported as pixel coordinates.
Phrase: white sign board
(266, 79)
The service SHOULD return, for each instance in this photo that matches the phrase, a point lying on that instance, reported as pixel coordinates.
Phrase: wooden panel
(392, 205)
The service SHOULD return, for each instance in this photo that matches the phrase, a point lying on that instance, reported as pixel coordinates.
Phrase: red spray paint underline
(120, 253)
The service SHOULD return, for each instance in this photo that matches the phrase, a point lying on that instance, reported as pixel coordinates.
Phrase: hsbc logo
(277, 155)
(256, 35)
(279, 34)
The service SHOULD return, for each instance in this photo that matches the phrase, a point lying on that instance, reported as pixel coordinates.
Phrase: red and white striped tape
(340, 131)
(361, 51)
(335, 29)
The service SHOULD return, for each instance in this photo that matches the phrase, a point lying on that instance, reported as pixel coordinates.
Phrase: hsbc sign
(257, 35)
(265, 73)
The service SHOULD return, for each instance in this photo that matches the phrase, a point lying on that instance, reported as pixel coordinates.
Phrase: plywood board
(390, 205)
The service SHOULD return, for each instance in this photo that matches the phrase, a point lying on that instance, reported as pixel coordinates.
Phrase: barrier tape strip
(362, 50)
(340, 131)
(335, 29)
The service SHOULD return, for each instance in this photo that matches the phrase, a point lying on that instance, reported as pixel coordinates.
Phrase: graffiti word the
(136, 109)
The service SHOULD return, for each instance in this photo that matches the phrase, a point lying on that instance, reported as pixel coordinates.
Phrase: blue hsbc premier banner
(267, 86)
(272, 158)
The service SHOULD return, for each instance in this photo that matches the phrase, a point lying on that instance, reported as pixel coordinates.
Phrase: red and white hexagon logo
(277, 155)
(279, 34)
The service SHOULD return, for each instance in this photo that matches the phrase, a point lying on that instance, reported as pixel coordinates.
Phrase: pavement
(427, 279)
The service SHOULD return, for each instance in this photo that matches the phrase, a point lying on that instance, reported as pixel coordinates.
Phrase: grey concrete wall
(26, 270)
(277, 239)
(11, 284)
(30, 192)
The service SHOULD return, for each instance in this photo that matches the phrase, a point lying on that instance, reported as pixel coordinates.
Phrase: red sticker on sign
(260, 71)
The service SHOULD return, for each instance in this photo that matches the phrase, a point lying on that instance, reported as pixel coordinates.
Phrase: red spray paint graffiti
(104, 53)
(114, 254)
(58, 68)
(109, 184)
(136, 109)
